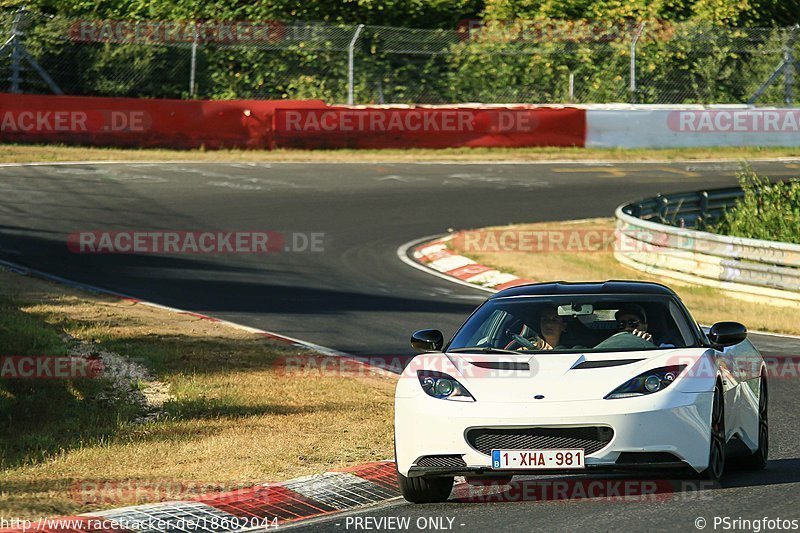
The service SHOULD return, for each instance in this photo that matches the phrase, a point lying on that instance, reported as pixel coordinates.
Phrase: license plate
(537, 459)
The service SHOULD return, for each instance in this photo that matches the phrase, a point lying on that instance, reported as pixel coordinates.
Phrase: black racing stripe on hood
(501, 365)
(605, 363)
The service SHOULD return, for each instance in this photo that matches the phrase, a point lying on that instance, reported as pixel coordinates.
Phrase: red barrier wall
(140, 122)
(429, 127)
(279, 123)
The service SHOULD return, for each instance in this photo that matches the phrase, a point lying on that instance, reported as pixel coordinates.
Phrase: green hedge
(768, 211)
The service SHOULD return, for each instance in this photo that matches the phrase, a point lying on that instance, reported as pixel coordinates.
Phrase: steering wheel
(522, 341)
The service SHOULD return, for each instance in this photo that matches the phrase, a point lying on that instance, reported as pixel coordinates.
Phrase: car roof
(554, 288)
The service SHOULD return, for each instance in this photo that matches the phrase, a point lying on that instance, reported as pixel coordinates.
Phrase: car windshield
(585, 323)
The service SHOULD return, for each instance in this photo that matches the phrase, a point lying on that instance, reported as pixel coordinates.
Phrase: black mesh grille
(441, 461)
(591, 439)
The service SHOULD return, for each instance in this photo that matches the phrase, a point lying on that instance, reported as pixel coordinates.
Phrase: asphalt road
(356, 296)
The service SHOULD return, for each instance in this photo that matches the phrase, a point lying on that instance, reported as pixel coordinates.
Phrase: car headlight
(647, 382)
(443, 386)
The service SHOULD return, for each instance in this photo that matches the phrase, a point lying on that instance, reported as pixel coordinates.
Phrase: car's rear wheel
(425, 489)
(716, 454)
(758, 460)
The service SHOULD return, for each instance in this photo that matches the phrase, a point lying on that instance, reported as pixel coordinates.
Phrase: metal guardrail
(659, 235)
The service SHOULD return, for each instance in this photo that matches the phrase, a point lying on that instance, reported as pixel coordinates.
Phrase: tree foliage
(768, 211)
(493, 65)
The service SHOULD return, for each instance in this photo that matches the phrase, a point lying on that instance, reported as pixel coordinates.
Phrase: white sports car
(569, 377)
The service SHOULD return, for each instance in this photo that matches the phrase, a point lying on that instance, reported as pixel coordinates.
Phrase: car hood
(558, 377)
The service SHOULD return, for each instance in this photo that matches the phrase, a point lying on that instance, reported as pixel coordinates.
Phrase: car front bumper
(676, 423)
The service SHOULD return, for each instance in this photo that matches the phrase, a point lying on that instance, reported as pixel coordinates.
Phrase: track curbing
(261, 507)
(436, 258)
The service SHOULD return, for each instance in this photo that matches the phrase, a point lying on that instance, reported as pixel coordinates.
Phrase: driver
(633, 319)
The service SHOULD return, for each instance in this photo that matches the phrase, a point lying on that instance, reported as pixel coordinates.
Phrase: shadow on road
(638, 488)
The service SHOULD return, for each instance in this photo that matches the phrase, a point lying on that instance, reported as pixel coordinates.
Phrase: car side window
(681, 325)
(492, 327)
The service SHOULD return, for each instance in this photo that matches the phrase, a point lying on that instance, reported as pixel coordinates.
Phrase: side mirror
(727, 333)
(427, 340)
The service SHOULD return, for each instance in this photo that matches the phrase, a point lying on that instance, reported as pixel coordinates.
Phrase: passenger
(551, 327)
(633, 319)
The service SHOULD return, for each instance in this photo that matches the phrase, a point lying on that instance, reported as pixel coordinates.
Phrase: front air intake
(591, 438)
(441, 461)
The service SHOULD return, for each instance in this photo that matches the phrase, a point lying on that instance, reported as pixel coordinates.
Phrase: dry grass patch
(236, 418)
(15, 153)
(708, 305)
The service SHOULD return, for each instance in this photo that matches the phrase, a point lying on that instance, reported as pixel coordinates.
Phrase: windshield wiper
(483, 349)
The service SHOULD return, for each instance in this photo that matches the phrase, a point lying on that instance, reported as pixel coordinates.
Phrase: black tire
(716, 453)
(425, 489)
(758, 460)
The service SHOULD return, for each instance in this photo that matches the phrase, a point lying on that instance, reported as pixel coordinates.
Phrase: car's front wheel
(716, 455)
(425, 489)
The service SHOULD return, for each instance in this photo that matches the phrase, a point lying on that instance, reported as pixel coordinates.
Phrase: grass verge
(17, 153)
(707, 304)
(235, 417)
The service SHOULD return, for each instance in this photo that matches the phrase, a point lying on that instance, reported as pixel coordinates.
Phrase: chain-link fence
(478, 62)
